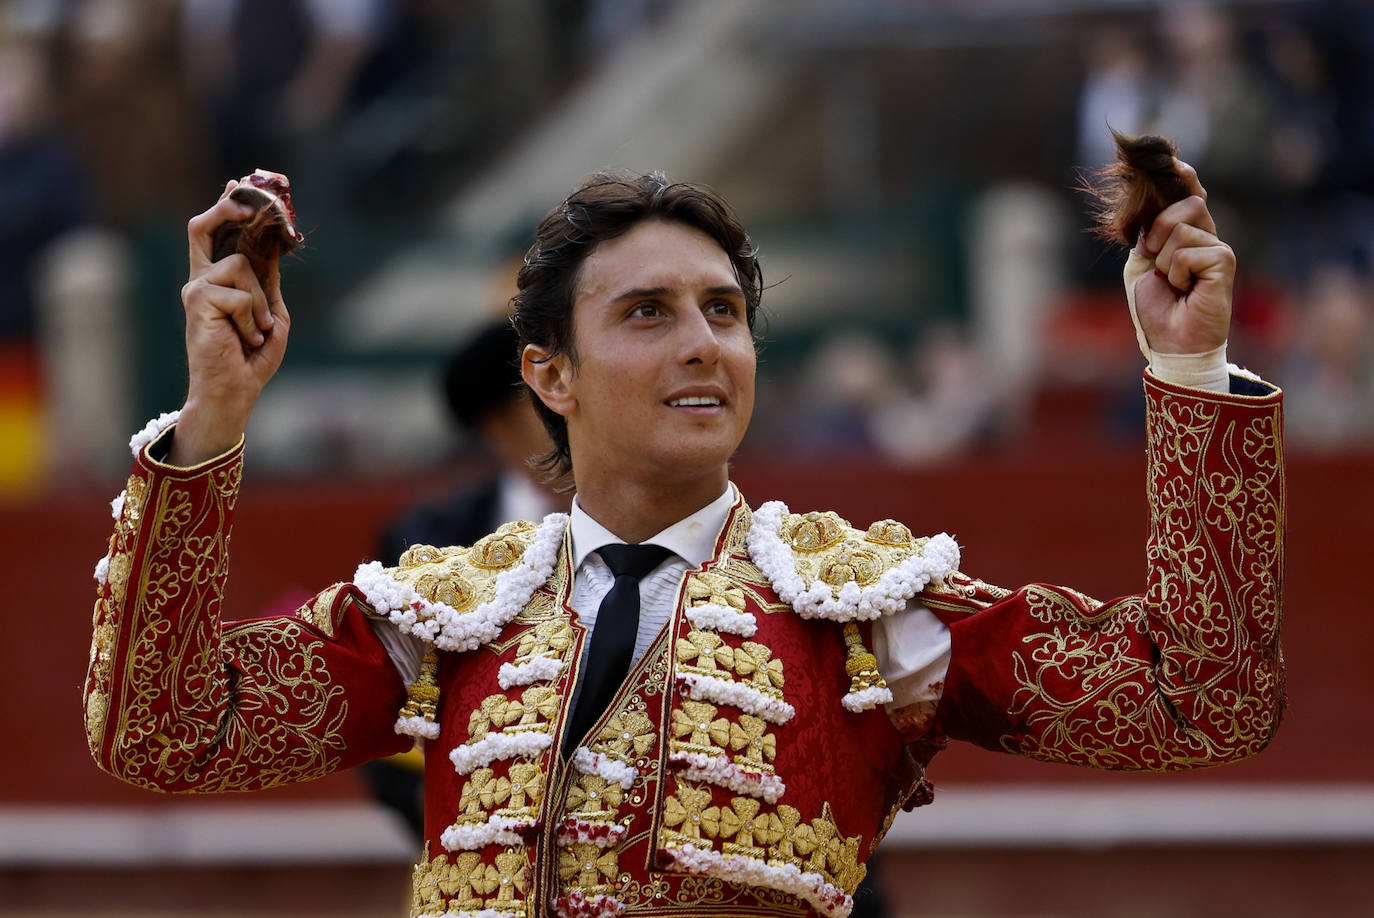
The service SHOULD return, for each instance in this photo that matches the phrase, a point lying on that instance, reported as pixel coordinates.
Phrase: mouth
(695, 401)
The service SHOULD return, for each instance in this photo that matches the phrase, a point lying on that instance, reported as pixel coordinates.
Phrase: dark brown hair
(1132, 191)
(604, 206)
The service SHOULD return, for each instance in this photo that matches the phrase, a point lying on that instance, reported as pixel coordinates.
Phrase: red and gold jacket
(750, 763)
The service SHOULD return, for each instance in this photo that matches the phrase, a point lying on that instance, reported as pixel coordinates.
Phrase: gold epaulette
(825, 568)
(827, 549)
(463, 578)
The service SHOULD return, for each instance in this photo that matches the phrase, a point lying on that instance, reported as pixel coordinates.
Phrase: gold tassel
(860, 664)
(422, 698)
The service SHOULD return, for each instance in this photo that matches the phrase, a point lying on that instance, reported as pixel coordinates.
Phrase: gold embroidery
(513, 867)
(756, 661)
(319, 612)
(814, 531)
(682, 814)
(465, 884)
(526, 788)
(826, 549)
(1089, 688)
(705, 732)
(712, 587)
(584, 864)
(700, 652)
(552, 637)
(751, 735)
(593, 796)
(889, 532)
(482, 792)
(503, 547)
(627, 736)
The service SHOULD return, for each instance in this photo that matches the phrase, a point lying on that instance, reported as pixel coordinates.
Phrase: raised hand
(236, 330)
(1184, 305)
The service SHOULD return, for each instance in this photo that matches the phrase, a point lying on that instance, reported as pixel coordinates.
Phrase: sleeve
(177, 701)
(1188, 674)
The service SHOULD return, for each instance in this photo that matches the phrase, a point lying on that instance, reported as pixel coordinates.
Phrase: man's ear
(549, 377)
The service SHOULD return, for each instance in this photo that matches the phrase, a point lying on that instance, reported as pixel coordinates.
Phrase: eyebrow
(649, 292)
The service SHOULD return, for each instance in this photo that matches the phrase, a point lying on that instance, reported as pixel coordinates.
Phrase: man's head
(603, 208)
(487, 398)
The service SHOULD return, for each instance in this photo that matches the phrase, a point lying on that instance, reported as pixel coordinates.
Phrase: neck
(637, 510)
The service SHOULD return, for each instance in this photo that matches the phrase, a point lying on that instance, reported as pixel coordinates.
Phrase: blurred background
(945, 345)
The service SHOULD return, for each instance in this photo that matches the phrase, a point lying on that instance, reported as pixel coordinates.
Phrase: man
(756, 750)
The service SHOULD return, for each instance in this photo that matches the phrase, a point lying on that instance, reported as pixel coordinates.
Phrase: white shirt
(912, 646)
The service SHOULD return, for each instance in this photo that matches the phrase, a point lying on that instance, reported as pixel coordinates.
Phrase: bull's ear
(550, 378)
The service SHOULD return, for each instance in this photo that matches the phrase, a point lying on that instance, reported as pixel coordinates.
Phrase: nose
(699, 342)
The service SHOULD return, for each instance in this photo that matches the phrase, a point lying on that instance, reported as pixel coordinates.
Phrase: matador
(793, 674)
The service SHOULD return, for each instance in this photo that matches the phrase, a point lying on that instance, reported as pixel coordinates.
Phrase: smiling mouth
(696, 401)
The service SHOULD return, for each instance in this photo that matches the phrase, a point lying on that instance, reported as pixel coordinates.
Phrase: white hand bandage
(1207, 370)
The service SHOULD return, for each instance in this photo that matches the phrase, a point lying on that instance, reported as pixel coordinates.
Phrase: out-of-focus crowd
(119, 117)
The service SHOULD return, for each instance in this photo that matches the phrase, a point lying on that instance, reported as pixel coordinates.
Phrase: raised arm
(175, 700)
(1191, 672)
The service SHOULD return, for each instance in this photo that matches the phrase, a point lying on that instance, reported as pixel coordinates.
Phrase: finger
(200, 229)
(1190, 179)
(1191, 210)
(1184, 236)
(229, 289)
(209, 304)
(1214, 262)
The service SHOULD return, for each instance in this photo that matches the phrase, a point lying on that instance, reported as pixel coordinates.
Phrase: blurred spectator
(42, 198)
(1212, 103)
(950, 409)
(487, 399)
(42, 188)
(270, 71)
(124, 102)
(1329, 378)
(1115, 93)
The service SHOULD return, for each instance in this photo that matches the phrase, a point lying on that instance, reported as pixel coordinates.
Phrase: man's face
(663, 386)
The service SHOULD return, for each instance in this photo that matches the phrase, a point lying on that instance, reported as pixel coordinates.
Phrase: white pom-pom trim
(493, 746)
(543, 668)
(890, 594)
(864, 699)
(1243, 373)
(417, 727)
(102, 571)
(743, 696)
(151, 431)
(723, 619)
(594, 763)
(117, 505)
(484, 913)
(823, 896)
(446, 627)
(498, 830)
(720, 771)
(576, 905)
(574, 831)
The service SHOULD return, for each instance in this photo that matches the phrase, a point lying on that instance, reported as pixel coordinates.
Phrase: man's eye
(645, 310)
(722, 308)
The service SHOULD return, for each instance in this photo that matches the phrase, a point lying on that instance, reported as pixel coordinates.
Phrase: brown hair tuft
(1132, 191)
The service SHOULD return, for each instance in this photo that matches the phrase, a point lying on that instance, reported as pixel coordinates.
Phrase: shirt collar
(692, 538)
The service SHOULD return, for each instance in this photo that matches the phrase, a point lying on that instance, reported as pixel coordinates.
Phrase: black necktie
(613, 638)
